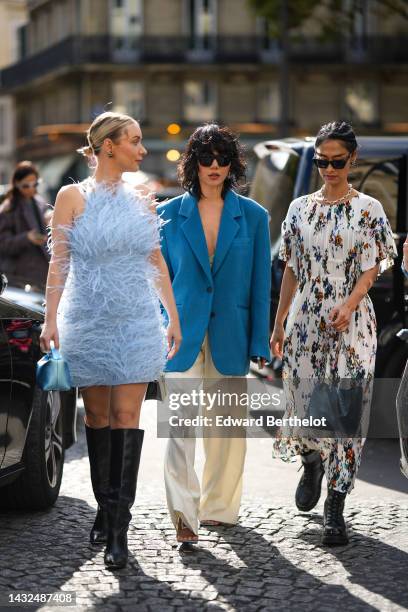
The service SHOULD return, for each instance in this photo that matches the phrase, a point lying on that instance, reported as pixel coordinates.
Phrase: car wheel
(38, 486)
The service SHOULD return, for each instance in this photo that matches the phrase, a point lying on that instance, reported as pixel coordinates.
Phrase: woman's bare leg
(97, 406)
(125, 405)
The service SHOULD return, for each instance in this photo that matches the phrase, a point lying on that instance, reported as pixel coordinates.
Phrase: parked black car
(35, 426)
(285, 171)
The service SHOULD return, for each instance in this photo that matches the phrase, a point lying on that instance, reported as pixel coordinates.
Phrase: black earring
(110, 154)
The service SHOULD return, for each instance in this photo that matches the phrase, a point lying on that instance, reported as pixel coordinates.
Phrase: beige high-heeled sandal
(184, 533)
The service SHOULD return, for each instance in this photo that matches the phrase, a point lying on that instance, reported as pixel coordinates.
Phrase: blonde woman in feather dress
(102, 309)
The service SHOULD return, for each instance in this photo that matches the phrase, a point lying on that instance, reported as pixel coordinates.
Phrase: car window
(377, 177)
(273, 185)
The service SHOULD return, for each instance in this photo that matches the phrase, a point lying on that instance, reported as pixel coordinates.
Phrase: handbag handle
(54, 351)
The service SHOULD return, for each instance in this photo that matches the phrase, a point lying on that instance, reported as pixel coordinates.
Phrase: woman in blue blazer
(216, 245)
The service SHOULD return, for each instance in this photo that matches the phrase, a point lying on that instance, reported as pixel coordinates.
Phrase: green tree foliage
(337, 16)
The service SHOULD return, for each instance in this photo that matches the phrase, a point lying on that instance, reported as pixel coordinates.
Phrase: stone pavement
(272, 560)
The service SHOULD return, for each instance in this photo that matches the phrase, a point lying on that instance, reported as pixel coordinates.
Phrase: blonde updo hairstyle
(106, 125)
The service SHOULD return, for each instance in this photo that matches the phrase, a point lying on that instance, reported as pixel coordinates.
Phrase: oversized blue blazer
(231, 300)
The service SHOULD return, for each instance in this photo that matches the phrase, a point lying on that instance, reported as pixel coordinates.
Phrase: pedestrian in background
(404, 264)
(24, 216)
(216, 244)
(402, 406)
(105, 257)
(335, 242)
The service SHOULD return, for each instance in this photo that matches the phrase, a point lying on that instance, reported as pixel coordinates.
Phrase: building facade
(190, 61)
(13, 15)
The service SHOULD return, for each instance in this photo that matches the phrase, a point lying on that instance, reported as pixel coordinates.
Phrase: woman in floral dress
(335, 242)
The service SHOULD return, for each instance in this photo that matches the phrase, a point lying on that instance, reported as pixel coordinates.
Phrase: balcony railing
(73, 52)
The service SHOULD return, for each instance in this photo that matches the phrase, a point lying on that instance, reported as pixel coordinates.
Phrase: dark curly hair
(338, 130)
(23, 169)
(210, 138)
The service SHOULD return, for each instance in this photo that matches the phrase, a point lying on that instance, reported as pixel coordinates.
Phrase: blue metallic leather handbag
(53, 372)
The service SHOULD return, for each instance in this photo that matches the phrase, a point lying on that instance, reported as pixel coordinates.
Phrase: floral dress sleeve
(287, 250)
(378, 241)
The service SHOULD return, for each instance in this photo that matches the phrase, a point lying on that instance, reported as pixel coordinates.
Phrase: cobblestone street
(272, 560)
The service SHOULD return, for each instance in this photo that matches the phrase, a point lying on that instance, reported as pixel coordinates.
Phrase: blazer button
(212, 315)
(209, 289)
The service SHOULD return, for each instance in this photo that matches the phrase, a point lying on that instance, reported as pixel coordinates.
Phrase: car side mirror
(3, 282)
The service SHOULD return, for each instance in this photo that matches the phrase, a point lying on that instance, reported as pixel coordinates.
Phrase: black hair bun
(338, 130)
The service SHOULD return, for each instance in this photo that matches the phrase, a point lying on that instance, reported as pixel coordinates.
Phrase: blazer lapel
(194, 233)
(228, 228)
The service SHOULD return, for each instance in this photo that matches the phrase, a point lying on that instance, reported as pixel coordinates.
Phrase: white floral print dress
(329, 247)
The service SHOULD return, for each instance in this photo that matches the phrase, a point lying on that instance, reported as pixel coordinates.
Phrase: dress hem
(108, 383)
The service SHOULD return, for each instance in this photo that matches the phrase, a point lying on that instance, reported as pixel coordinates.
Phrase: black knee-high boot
(98, 441)
(126, 448)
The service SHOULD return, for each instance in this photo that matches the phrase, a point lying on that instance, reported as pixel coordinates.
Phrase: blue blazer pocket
(241, 242)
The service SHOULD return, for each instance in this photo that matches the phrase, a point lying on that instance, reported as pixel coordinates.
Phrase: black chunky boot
(335, 531)
(98, 441)
(126, 448)
(309, 487)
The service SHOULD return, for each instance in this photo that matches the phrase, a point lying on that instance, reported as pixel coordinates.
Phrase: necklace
(320, 197)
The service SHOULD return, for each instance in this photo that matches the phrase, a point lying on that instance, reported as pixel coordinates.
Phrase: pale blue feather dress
(109, 320)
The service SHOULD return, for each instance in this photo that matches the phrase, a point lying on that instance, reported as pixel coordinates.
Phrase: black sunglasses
(206, 159)
(29, 185)
(338, 164)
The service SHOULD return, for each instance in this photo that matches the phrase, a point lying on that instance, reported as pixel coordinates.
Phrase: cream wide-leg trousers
(219, 497)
